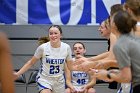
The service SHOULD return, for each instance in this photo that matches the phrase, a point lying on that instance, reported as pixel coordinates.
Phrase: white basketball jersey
(53, 59)
(79, 78)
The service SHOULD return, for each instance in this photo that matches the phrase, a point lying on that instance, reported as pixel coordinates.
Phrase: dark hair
(42, 40)
(79, 43)
(124, 22)
(115, 8)
(57, 26)
(134, 5)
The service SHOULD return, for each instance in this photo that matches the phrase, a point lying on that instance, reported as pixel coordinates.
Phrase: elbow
(127, 78)
(30, 63)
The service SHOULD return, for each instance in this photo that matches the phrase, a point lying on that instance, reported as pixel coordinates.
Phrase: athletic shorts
(78, 88)
(125, 88)
(55, 84)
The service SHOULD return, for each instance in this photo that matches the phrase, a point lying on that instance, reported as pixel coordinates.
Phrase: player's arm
(91, 83)
(69, 60)
(106, 63)
(28, 65)
(124, 75)
(68, 77)
(32, 61)
(110, 60)
(99, 57)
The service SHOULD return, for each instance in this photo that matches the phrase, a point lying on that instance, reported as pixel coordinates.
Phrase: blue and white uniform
(51, 73)
(79, 79)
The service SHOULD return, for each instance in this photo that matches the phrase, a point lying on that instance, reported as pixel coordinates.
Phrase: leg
(91, 90)
(68, 90)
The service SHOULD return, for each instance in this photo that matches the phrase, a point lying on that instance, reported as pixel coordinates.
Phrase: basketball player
(79, 81)
(55, 57)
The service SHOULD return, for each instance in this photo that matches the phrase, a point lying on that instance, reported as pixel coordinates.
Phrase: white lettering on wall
(21, 11)
(53, 11)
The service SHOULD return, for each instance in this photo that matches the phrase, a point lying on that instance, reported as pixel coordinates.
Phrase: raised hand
(80, 60)
(85, 66)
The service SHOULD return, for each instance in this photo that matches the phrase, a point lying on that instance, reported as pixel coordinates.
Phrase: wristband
(108, 75)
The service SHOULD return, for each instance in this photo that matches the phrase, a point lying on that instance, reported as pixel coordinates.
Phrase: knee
(91, 90)
(67, 90)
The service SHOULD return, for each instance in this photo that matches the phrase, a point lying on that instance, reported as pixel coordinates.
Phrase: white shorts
(125, 88)
(78, 88)
(55, 84)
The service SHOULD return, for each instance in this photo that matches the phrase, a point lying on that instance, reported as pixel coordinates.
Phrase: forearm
(69, 84)
(109, 63)
(99, 57)
(91, 83)
(25, 68)
(68, 76)
(70, 65)
(120, 78)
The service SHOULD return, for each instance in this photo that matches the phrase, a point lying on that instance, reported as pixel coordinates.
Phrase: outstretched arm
(123, 75)
(28, 65)
(105, 64)
(99, 57)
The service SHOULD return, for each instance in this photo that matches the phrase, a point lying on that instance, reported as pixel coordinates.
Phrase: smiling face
(54, 35)
(104, 30)
(78, 49)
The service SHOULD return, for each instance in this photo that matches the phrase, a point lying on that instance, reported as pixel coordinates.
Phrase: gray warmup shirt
(127, 53)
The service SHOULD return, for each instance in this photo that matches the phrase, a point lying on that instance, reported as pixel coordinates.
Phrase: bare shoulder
(113, 40)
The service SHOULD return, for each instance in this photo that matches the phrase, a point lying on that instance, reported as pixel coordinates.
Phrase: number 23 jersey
(53, 59)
